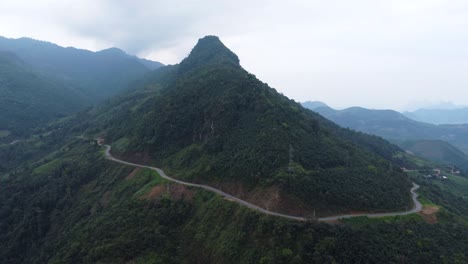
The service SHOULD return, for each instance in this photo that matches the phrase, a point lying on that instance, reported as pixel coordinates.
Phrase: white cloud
(379, 54)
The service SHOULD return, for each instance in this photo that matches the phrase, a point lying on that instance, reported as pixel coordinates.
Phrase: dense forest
(28, 99)
(76, 207)
(395, 126)
(98, 75)
(208, 120)
(41, 81)
(438, 151)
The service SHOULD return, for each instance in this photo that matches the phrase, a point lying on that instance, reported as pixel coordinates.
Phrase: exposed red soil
(133, 174)
(155, 193)
(175, 192)
(429, 214)
(180, 192)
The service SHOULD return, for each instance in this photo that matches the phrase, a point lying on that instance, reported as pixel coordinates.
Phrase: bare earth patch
(155, 193)
(429, 214)
(180, 192)
(174, 191)
(133, 174)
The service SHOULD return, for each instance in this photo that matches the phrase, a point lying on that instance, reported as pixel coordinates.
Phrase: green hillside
(28, 99)
(98, 75)
(208, 120)
(437, 150)
(76, 207)
(396, 127)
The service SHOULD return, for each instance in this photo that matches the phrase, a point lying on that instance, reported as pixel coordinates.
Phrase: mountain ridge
(208, 120)
(440, 116)
(398, 128)
(28, 99)
(61, 201)
(97, 74)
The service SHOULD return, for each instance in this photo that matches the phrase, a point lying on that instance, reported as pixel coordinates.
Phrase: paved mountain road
(417, 205)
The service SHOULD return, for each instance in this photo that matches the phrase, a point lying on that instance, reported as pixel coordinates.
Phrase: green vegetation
(4, 133)
(40, 81)
(88, 210)
(362, 222)
(398, 128)
(455, 184)
(154, 180)
(437, 151)
(209, 120)
(449, 194)
(98, 75)
(28, 99)
(47, 168)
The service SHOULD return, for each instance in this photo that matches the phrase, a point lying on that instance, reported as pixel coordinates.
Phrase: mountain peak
(210, 50)
(314, 104)
(113, 51)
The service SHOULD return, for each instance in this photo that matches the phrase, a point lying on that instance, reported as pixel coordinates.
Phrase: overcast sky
(377, 54)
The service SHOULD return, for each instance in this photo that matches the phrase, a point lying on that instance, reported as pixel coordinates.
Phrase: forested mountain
(75, 207)
(28, 99)
(208, 120)
(437, 150)
(97, 74)
(393, 125)
(386, 123)
(440, 116)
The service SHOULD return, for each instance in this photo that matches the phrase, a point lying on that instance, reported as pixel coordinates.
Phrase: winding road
(14, 142)
(416, 208)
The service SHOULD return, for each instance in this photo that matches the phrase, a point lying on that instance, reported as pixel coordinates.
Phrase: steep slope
(208, 120)
(75, 207)
(28, 99)
(98, 74)
(66, 204)
(440, 116)
(437, 150)
(393, 125)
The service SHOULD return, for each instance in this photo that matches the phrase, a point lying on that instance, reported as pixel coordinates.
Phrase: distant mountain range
(396, 127)
(437, 150)
(98, 74)
(314, 104)
(440, 116)
(28, 99)
(40, 81)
